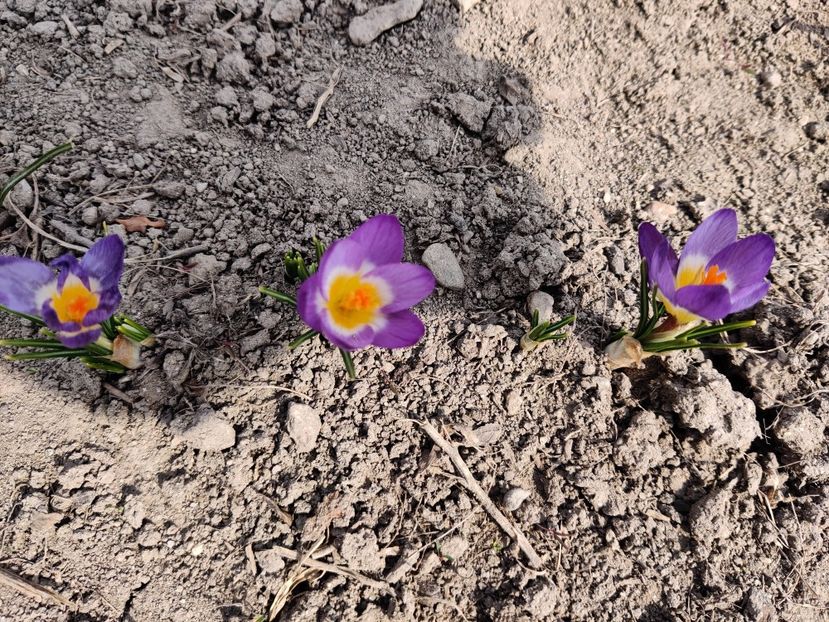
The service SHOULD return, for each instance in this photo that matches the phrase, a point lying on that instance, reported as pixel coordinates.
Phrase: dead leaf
(140, 223)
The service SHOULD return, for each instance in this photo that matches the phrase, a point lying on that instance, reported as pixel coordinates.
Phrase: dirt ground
(531, 137)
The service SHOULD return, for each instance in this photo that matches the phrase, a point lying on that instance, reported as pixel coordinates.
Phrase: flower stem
(306, 336)
(349, 364)
(33, 319)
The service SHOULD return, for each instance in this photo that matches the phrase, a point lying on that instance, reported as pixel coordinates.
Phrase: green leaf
(32, 343)
(18, 177)
(103, 364)
(306, 336)
(33, 319)
(290, 300)
(45, 354)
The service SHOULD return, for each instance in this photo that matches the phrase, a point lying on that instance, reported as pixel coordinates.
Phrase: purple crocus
(361, 293)
(72, 297)
(715, 275)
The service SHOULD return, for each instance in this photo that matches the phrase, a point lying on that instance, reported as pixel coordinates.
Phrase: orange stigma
(714, 276)
(74, 302)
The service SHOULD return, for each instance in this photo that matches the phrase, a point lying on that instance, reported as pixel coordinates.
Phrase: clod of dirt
(124, 68)
(22, 195)
(760, 607)
(204, 268)
(705, 402)
(471, 112)
(440, 259)
(303, 425)
(709, 518)
(361, 551)
(209, 431)
(800, 431)
(465, 5)
(817, 131)
(364, 29)
(514, 497)
(286, 12)
(638, 450)
(541, 302)
(541, 599)
(770, 78)
(234, 67)
(503, 127)
(529, 261)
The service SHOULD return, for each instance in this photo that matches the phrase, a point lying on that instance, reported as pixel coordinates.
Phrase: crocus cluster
(681, 297)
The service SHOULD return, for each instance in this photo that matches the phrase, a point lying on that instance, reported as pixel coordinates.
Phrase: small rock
(124, 68)
(262, 100)
(709, 518)
(616, 259)
(270, 561)
(173, 367)
(454, 547)
(260, 249)
(465, 5)
(800, 431)
(426, 149)
(169, 189)
(472, 113)
(770, 78)
(22, 195)
(209, 431)
(303, 424)
(365, 28)
(89, 215)
(440, 259)
(760, 606)
(503, 127)
(234, 67)
(662, 212)
(514, 497)
(45, 29)
(26, 7)
(227, 97)
(361, 551)
(286, 12)
(265, 46)
(817, 131)
(514, 402)
(541, 302)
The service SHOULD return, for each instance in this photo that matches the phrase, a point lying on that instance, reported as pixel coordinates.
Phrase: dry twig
(326, 94)
(28, 588)
(472, 485)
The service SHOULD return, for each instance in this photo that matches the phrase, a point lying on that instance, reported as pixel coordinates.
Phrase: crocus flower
(72, 297)
(715, 275)
(361, 293)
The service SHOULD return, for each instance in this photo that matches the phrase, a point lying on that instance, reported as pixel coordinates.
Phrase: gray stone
(440, 259)
(209, 431)
(541, 302)
(262, 100)
(303, 424)
(514, 497)
(286, 12)
(817, 131)
(89, 215)
(205, 267)
(234, 67)
(770, 78)
(471, 112)
(227, 97)
(365, 28)
(45, 29)
(760, 606)
(124, 68)
(169, 189)
(22, 195)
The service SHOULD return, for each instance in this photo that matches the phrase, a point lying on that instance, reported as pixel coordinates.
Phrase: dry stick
(326, 94)
(340, 570)
(28, 588)
(34, 227)
(184, 252)
(472, 485)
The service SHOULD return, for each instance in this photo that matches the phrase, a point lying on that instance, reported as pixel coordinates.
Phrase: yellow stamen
(694, 276)
(352, 302)
(74, 302)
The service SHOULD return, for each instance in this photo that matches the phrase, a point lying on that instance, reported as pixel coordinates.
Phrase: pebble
(440, 259)
(234, 67)
(760, 606)
(209, 431)
(227, 97)
(541, 302)
(169, 189)
(286, 12)
(89, 215)
(303, 424)
(661, 212)
(471, 112)
(124, 68)
(616, 259)
(45, 29)
(205, 267)
(514, 497)
(262, 100)
(800, 431)
(22, 195)
(817, 131)
(365, 28)
(770, 78)
(465, 5)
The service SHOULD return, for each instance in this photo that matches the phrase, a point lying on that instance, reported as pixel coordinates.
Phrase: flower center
(353, 302)
(74, 302)
(700, 276)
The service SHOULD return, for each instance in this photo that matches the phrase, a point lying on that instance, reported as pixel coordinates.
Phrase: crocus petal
(53, 322)
(80, 338)
(714, 234)
(104, 261)
(745, 297)
(662, 271)
(67, 265)
(745, 263)
(343, 256)
(306, 302)
(407, 282)
(710, 302)
(108, 301)
(381, 238)
(20, 281)
(354, 341)
(649, 240)
(402, 329)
